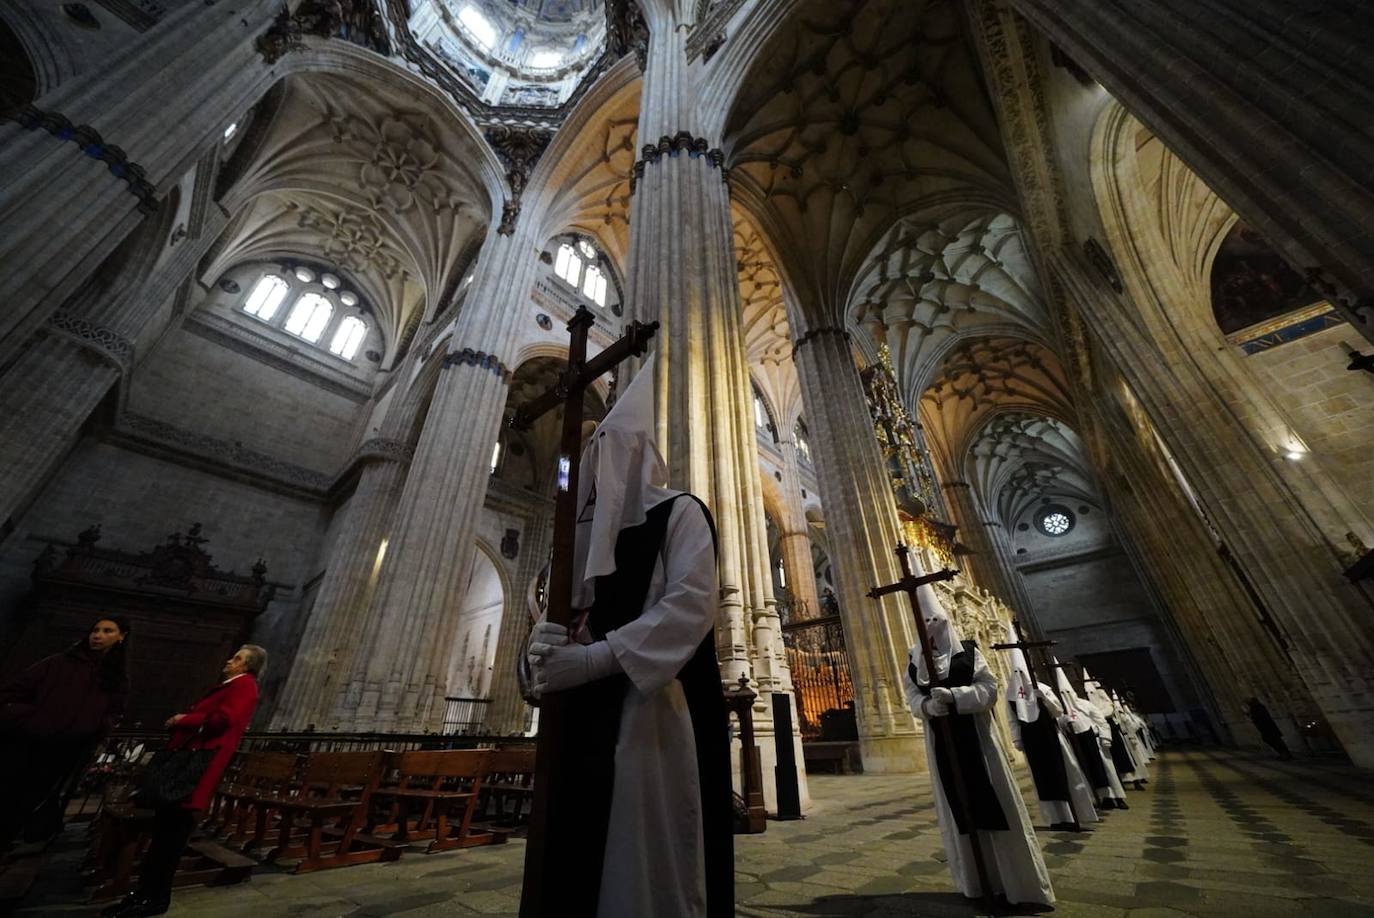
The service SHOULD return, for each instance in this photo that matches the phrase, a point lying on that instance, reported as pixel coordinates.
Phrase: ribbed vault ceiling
(1016, 459)
(857, 114)
(379, 183)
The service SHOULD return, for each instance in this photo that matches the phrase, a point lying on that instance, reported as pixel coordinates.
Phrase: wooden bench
(437, 783)
(261, 777)
(509, 779)
(322, 822)
(834, 756)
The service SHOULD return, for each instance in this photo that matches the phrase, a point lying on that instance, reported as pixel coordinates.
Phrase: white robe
(655, 858)
(1057, 811)
(1104, 745)
(1015, 866)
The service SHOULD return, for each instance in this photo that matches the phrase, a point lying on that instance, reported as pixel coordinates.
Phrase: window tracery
(266, 296)
(309, 316)
(322, 311)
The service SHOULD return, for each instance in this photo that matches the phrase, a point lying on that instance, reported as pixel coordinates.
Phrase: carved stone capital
(815, 333)
(468, 357)
(110, 346)
(672, 147)
(94, 146)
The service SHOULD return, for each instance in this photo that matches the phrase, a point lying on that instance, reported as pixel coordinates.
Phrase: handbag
(172, 775)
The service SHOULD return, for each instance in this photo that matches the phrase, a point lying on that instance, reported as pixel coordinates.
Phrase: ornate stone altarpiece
(187, 616)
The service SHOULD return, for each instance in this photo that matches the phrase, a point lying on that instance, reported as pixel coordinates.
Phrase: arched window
(265, 297)
(803, 446)
(594, 287)
(760, 413)
(309, 317)
(348, 337)
(568, 266)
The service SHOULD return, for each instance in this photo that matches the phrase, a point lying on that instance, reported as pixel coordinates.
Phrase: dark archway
(18, 79)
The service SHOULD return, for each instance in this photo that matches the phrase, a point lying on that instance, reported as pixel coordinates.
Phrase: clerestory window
(594, 285)
(567, 265)
(348, 337)
(309, 317)
(266, 297)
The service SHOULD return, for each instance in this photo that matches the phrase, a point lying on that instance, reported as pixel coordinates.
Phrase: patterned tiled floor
(1214, 834)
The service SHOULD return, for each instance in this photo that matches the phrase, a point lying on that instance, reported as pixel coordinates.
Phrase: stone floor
(1214, 833)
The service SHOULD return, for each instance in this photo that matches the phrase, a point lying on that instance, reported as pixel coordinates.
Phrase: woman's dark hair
(114, 665)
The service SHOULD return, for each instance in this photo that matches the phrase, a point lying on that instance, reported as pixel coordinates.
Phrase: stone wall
(203, 386)
(1329, 405)
(139, 500)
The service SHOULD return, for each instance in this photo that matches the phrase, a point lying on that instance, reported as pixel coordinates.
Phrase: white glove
(935, 708)
(570, 665)
(942, 695)
(543, 639)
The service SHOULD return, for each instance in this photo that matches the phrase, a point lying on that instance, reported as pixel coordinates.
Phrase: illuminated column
(861, 522)
(506, 713)
(794, 536)
(334, 630)
(410, 625)
(682, 272)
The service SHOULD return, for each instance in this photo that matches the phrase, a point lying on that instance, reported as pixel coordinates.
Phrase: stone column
(332, 636)
(412, 619)
(682, 272)
(861, 519)
(506, 713)
(794, 536)
(78, 168)
(1261, 99)
(83, 351)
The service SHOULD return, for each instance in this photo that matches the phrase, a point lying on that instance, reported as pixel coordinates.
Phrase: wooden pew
(261, 777)
(438, 783)
(510, 778)
(122, 833)
(322, 822)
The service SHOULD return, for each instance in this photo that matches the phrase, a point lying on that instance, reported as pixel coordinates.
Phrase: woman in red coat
(217, 722)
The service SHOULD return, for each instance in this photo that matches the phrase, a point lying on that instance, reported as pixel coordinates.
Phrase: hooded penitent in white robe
(1081, 802)
(1060, 786)
(1015, 866)
(1103, 731)
(1130, 765)
(656, 859)
(1081, 721)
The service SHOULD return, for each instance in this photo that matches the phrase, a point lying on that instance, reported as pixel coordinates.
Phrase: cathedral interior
(1073, 299)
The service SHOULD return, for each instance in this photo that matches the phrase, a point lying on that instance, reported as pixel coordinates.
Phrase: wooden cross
(942, 725)
(1024, 645)
(567, 393)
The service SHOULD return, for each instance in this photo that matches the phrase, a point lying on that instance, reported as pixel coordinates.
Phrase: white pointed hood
(944, 635)
(1079, 721)
(1020, 687)
(622, 476)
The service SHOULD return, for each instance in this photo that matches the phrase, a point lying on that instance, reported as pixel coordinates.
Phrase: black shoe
(1140, 785)
(110, 911)
(1121, 804)
(135, 907)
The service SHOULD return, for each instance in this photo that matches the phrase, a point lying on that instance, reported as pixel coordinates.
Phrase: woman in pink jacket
(217, 722)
